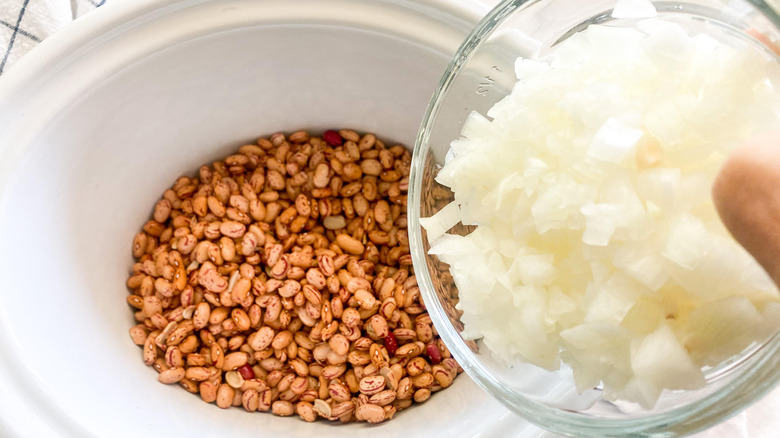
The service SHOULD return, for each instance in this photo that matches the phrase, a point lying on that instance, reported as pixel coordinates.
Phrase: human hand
(746, 194)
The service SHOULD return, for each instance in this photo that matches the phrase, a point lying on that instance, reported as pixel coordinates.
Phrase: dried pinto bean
(279, 279)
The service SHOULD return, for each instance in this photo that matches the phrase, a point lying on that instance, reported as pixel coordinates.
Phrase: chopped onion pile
(597, 243)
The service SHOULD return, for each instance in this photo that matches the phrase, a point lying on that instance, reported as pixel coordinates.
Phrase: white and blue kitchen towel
(25, 23)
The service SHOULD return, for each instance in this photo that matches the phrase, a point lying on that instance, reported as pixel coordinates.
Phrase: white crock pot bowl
(100, 119)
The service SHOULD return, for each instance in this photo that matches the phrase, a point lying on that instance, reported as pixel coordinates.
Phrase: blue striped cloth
(25, 23)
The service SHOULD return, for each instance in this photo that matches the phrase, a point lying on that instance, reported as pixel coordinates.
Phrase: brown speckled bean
(208, 391)
(261, 339)
(172, 375)
(339, 344)
(306, 411)
(264, 403)
(383, 398)
(235, 360)
(371, 413)
(250, 400)
(282, 408)
(372, 384)
(225, 395)
(279, 279)
(138, 335)
(150, 351)
(349, 244)
(421, 395)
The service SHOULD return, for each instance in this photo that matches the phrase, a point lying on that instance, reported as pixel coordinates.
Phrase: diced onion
(441, 222)
(596, 242)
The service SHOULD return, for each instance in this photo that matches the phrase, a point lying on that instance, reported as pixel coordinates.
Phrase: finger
(746, 194)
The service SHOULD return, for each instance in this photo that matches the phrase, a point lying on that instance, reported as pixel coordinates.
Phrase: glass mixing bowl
(481, 74)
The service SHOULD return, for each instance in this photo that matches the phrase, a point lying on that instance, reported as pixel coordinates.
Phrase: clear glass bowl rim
(746, 387)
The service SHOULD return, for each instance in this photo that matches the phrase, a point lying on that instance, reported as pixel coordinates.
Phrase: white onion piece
(660, 359)
(596, 240)
(687, 243)
(733, 320)
(441, 222)
(599, 223)
(614, 141)
(642, 264)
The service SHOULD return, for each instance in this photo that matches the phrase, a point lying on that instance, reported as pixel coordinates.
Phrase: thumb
(746, 193)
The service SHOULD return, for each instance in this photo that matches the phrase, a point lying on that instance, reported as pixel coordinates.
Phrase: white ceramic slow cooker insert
(100, 119)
